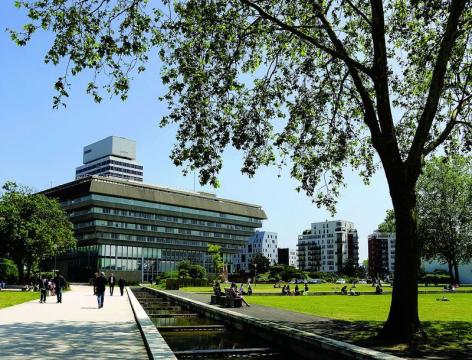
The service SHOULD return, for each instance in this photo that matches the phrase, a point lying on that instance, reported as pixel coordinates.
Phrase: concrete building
(381, 254)
(327, 246)
(139, 231)
(287, 256)
(263, 242)
(111, 157)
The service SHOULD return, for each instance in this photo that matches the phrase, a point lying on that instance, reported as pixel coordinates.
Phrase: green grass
(10, 298)
(269, 288)
(371, 307)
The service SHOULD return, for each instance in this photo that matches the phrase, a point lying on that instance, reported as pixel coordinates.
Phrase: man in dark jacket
(59, 283)
(121, 284)
(100, 284)
(111, 283)
(43, 288)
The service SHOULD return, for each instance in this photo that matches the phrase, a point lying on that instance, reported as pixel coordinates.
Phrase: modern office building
(111, 157)
(139, 231)
(287, 256)
(327, 246)
(381, 254)
(263, 242)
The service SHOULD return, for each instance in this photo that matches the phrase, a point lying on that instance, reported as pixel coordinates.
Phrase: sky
(40, 147)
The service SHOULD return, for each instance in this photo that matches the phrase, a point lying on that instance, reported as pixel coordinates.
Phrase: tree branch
(359, 12)
(436, 87)
(305, 37)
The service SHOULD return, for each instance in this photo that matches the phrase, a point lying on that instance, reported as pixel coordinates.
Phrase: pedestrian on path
(121, 284)
(43, 288)
(95, 277)
(100, 285)
(59, 284)
(111, 283)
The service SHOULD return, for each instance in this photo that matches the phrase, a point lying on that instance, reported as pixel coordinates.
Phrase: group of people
(286, 290)
(99, 285)
(351, 291)
(54, 286)
(233, 292)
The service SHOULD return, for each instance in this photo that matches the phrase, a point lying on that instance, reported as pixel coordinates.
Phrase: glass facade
(144, 237)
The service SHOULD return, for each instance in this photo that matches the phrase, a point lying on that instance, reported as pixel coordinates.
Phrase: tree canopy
(259, 263)
(388, 225)
(33, 227)
(445, 212)
(315, 85)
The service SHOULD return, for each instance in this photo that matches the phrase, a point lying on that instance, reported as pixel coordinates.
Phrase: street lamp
(255, 274)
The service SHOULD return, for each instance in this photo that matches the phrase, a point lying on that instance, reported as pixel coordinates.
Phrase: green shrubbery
(8, 271)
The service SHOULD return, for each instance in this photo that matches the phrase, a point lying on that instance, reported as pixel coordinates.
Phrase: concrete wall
(465, 271)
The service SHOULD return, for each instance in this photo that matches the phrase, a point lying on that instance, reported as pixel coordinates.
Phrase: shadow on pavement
(68, 340)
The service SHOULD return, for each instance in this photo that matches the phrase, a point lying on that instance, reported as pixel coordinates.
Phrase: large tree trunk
(451, 275)
(403, 324)
(456, 273)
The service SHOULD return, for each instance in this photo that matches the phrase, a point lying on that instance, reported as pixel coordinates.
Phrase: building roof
(153, 193)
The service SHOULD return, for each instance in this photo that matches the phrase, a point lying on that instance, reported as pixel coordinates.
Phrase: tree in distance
(315, 85)
(33, 228)
(259, 263)
(445, 212)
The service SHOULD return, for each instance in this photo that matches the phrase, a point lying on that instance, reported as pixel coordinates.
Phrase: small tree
(215, 252)
(445, 211)
(260, 263)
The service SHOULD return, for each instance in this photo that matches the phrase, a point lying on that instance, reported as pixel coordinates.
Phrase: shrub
(8, 271)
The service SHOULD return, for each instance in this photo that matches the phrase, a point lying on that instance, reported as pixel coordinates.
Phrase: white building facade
(327, 246)
(293, 258)
(263, 242)
(111, 157)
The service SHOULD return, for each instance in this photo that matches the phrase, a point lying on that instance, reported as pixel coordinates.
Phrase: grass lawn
(10, 298)
(448, 324)
(269, 288)
(371, 307)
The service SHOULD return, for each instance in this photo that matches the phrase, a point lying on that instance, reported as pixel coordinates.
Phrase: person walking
(100, 284)
(95, 277)
(121, 284)
(43, 288)
(59, 284)
(111, 283)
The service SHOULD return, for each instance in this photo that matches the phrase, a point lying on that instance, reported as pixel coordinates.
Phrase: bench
(226, 300)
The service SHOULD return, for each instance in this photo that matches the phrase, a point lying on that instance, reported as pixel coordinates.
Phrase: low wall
(301, 343)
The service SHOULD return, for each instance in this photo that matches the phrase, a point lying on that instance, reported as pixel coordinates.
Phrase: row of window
(108, 162)
(150, 239)
(163, 218)
(159, 229)
(153, 205)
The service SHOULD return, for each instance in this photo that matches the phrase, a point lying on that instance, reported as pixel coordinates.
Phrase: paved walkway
(75, 329)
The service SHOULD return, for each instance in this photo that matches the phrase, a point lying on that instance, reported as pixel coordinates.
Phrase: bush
(434, 278)
(172, 284)
(8, 271)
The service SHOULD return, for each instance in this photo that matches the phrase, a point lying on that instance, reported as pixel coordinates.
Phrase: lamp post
(255, 274)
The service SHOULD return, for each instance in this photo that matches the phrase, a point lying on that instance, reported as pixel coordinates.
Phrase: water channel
(193, 336)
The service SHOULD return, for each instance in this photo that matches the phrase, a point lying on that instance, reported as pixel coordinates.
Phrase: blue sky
(41, 147)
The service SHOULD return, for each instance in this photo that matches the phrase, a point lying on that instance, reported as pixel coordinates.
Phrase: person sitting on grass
(297, 291)
(306, 288)
(287, 290)
(344, 290)
(283, 290)
(352, 292)
(249, 290)
(241, 290)
(378, 289)
(443, 299)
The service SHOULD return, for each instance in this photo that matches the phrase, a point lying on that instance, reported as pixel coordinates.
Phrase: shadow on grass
(445, 339)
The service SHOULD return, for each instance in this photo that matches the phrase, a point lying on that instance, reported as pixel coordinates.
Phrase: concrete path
(75, 329)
